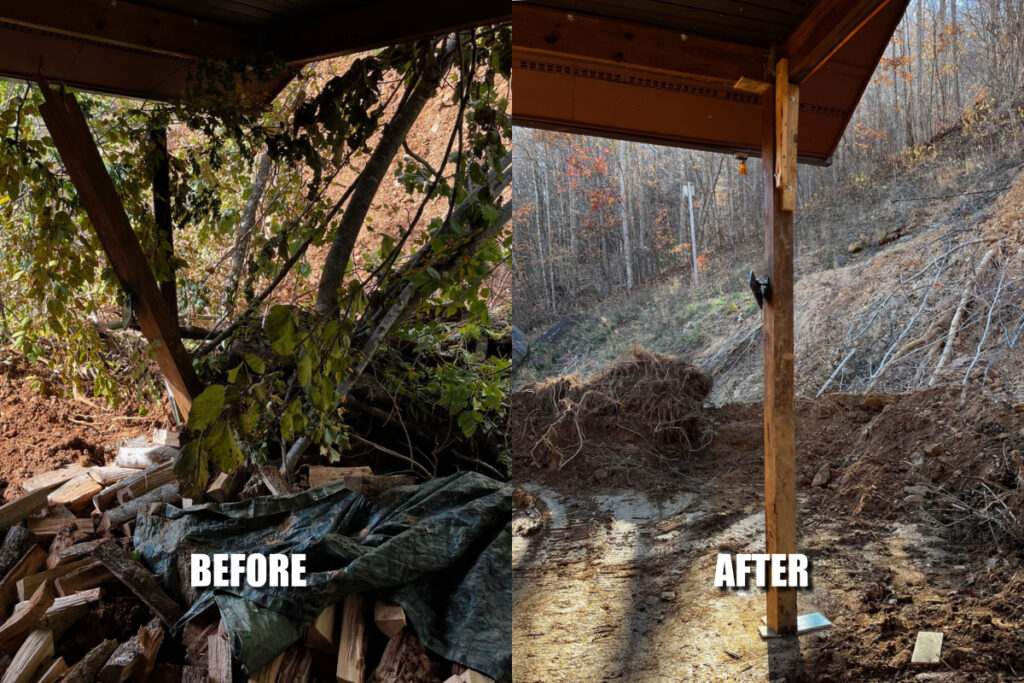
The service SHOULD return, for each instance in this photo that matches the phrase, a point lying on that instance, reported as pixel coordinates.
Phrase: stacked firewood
(67, 543)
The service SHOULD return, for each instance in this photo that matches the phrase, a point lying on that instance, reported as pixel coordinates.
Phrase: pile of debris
(78, 605)
(655, 396)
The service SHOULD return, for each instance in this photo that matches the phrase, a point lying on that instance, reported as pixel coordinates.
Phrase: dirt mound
(41, 429)
(958, 460)
(655, 397)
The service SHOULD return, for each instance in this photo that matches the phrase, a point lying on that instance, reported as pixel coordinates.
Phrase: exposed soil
(906, 505)
(42, 429)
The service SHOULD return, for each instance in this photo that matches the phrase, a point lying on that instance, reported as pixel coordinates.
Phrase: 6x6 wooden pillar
(778, 161)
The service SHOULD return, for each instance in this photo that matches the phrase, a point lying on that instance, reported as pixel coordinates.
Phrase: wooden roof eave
(573, 68)
(136, 50)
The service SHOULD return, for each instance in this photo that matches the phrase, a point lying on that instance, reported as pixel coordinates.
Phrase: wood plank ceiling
(666, 71)
(149, 48)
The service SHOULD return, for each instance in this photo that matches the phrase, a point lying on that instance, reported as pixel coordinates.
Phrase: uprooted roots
(656, 397)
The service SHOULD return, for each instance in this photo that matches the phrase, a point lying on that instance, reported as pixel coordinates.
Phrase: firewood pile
(67, 561)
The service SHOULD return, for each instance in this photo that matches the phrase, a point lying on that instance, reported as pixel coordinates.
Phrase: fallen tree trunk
(958, 317)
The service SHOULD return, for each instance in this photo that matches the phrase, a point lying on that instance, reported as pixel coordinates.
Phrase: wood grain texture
(779, 449)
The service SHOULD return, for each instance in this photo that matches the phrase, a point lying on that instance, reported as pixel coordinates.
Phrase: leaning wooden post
(778, 161)
(73, 139)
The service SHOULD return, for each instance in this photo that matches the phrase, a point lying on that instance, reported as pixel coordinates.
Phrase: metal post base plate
(805, 623)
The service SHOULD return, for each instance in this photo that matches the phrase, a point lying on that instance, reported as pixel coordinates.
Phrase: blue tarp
(442, 550)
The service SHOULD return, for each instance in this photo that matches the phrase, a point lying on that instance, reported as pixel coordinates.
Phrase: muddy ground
(41, 428)
(906, 509)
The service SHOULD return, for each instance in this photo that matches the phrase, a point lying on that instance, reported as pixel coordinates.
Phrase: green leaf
(206, 408)
(292, 420)
(281, 330)
(305, 371)
(467, 423)
(233, 374)
(489, 213)
(221, 447)
(190, 467)
(255, 363)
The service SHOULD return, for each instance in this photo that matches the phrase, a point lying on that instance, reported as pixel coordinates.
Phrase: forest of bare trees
(603, 216)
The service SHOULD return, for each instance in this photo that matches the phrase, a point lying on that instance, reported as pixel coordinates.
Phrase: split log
(27, 586)
(353, 639)
(173, 673)
(320, 634)
(139, 581)
(76, 493)
(66, 611)
(268, 674)
(53, 478)
(195, 675)
(151, 637)
(325, 475)
(17, 541)
(58, 512)
(87, 668)
(111, 474)
(113, 518)
(28, 564)
(46, 528)
(162, 473)
(71, 553)
(225, 486)
(144, 456)
(145, 483)
(218, 656)
(296, 665)
(196, 637)
(65, 603)
(14, 631)
(18, 509)
(167, 437)
(37, 649)
(377, 484)
(53, 671)
(465, 675)
(389, 617)
(120, 665)
(82, 579)
(403, 659)
(274, 480)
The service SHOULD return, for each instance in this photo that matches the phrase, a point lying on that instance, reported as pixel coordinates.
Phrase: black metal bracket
(761, 288)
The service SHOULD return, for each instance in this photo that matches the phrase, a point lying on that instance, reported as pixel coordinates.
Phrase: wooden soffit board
(602, 76)
(150, 49)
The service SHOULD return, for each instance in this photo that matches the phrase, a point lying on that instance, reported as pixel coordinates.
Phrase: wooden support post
(787, 106)
(162, 217)
(70, 132)
(779, 450)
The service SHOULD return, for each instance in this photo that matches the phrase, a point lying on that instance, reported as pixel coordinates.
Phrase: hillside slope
(881, 322)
